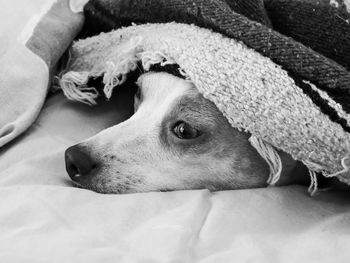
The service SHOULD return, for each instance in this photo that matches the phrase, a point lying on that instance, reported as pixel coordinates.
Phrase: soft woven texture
(231, 19)
(254, 93)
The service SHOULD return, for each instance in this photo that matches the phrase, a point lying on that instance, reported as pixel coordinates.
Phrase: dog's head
(176, 139)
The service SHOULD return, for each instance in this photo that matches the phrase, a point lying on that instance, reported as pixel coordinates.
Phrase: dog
(175, 140)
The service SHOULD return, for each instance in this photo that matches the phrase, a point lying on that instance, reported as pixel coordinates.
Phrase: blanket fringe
(346, 168)
(74, 87)
(116, 74)
(150, 58)
(74, 84)
(313, 187)
(270, 155)
(317, 168)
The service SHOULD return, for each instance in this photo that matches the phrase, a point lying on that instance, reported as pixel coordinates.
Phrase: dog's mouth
(82, 186)
(92, 187)
(86, 187)
(76, 184)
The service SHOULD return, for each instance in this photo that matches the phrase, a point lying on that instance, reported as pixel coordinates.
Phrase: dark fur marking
(203, 115)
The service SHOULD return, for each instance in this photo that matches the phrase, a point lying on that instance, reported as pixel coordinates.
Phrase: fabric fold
(29, 63)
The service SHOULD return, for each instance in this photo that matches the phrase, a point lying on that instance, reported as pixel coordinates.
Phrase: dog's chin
(104, 190)
(77, 185)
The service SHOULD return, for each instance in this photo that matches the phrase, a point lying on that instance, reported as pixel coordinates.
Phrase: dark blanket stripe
(302, 20)
(293, 56)
(252, 9)
(321, 103)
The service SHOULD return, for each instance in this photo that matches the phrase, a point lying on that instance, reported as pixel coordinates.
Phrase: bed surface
(44, 219)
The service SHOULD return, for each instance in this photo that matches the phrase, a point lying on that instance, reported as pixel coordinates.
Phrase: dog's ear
(129, 84)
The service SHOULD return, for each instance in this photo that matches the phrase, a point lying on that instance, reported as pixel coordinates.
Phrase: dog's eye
(184, 131)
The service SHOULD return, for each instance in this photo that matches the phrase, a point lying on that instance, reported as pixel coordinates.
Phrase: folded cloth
(28, 63)
(287, 95)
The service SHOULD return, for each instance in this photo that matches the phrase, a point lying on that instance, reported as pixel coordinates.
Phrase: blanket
(286, 95)
(44, 219)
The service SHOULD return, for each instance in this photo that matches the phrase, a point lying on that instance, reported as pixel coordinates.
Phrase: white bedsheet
(44, 219)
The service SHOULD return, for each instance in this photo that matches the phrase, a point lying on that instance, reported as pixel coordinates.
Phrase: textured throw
(289, 93)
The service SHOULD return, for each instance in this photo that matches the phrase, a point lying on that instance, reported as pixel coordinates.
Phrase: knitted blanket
(276, 69)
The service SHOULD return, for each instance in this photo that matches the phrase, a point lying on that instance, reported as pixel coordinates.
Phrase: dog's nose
(78, 162)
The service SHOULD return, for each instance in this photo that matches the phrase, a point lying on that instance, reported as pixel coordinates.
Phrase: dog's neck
(293, 172)
(300, 175)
